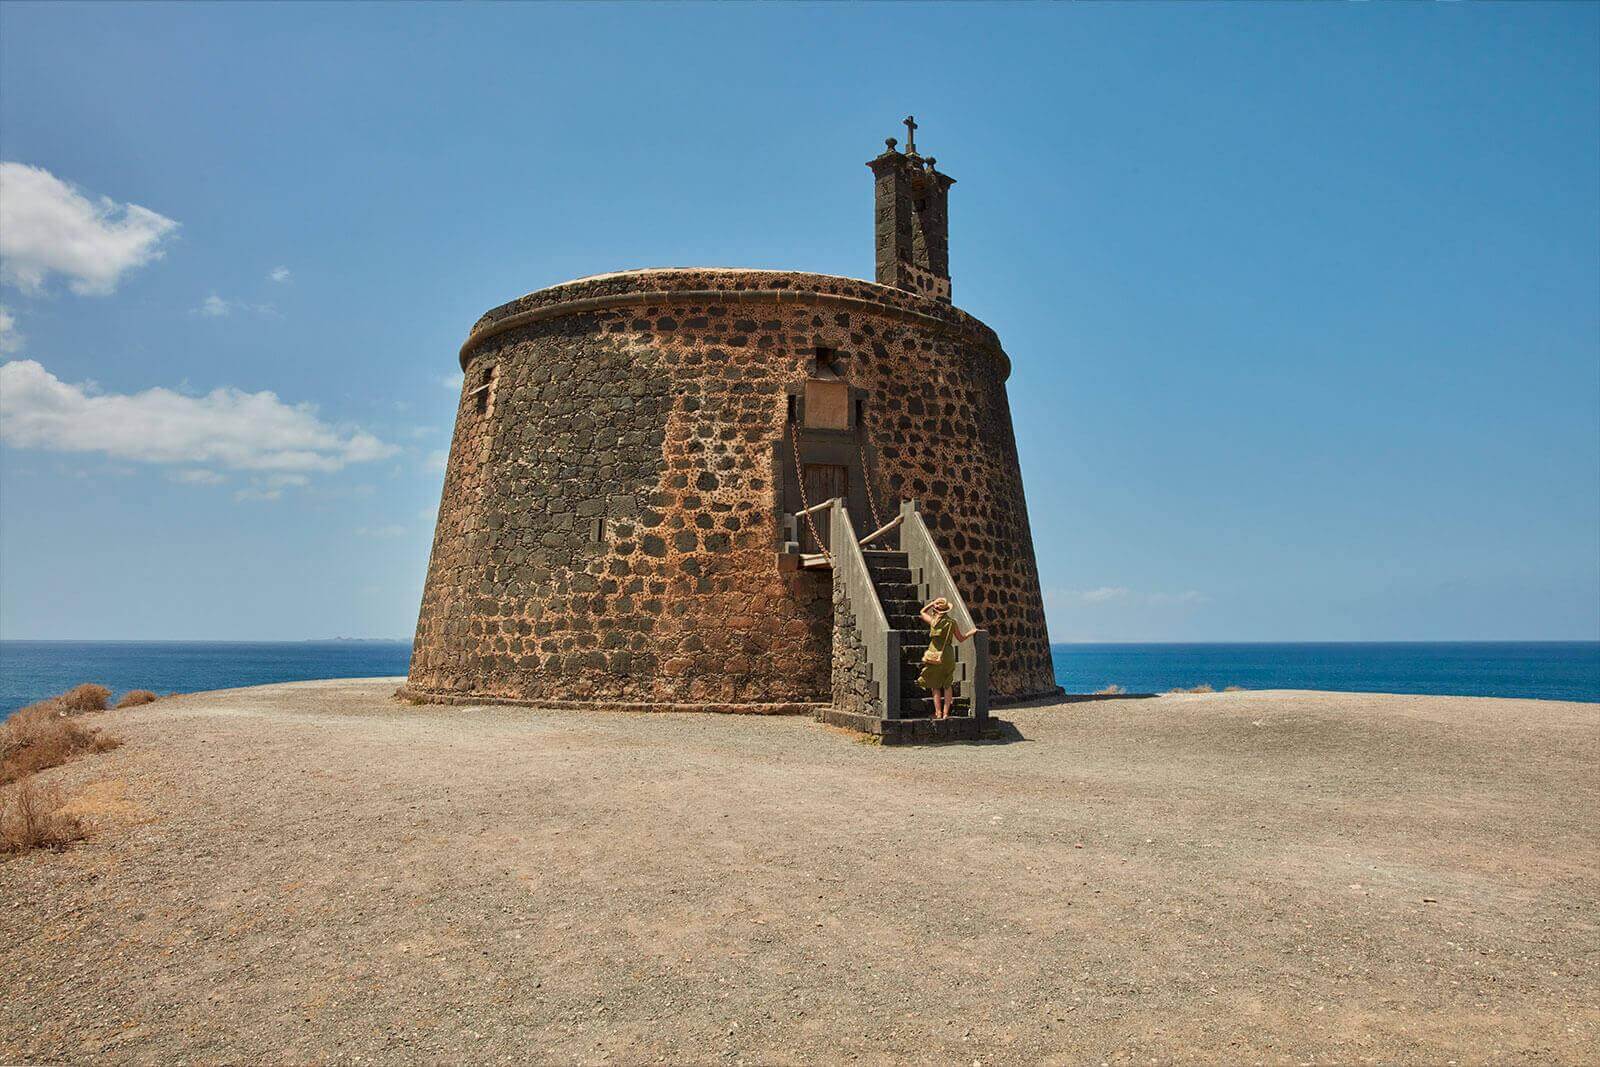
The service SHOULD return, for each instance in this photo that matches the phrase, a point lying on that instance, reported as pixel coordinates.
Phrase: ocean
(1548, 670)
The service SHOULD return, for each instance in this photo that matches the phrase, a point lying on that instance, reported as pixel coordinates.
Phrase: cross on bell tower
(910, 222)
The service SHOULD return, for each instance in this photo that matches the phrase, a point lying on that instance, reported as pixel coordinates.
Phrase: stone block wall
(854, 690)
(610, 517)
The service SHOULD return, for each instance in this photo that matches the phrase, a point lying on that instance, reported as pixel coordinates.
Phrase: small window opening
(825, 358)
(920, 204)
(485, 391)
(597, 530)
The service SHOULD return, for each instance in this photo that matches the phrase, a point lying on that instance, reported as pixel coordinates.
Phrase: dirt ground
(317, 872)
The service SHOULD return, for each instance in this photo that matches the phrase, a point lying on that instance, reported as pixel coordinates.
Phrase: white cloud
(437, 461)
(226, 427)
(1103, 594)
(48, 227)
(279, 274)
(258, 494)
(10, 339)
(1188, 596)
(392, 530)
(214, 307)
(452, 382)
(198, 476)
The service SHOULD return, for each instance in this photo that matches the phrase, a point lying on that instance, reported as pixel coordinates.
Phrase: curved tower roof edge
(687, 285)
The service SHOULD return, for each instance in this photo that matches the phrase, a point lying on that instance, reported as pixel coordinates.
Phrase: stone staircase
(892, 581)
(878, 636)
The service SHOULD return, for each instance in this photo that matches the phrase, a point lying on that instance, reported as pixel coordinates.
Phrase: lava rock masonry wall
(611, 510)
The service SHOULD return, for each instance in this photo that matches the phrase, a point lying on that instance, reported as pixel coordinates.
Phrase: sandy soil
(316, 872)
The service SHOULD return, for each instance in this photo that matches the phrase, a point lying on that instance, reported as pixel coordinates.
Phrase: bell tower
(910, 221)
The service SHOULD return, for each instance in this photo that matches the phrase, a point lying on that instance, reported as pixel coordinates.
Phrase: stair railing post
(980, 676)
(891, 679)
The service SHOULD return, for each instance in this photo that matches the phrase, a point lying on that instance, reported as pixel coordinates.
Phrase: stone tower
(623, 518)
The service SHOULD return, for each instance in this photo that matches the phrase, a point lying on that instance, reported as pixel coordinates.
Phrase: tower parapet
(911, 223)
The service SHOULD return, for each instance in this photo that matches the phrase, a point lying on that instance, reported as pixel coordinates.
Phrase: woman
(938, 674)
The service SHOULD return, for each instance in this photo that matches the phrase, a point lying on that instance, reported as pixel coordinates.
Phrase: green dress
(941, 675)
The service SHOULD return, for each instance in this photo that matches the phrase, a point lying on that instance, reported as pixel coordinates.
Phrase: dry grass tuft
(1196, 689)
(31, 818)
(82, 698)
(1109, 691)
(1233, 689)
(46, 735)
(134, 697)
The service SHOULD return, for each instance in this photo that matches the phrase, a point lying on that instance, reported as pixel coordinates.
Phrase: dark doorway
(824, 481)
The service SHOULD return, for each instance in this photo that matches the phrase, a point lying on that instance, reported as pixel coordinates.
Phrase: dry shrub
(81, 698)
(30, 818)
(134, 697)
(1109, 691)
(45, 735)
(1196, 689)
(1233, 689)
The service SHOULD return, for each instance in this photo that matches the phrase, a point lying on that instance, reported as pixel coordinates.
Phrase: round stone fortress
(631, 450)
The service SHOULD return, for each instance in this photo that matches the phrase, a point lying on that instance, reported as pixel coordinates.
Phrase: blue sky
(1303, 301)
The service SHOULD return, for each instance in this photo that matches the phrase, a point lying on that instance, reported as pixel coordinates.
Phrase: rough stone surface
(854, 690)
(612, 509)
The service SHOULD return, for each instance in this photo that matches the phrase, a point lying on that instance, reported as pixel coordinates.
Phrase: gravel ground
(317, 872)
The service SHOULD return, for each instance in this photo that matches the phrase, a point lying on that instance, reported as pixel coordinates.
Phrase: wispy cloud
(226, 427)
(1103, 594)
(452, 382)
(10, 339)
(279, 274)
(48, 227)
(1188, 596)
(198, 476)
(215, 307)
(437, 460)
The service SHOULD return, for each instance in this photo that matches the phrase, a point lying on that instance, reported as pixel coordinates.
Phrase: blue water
(1546, 670)
(32, 670)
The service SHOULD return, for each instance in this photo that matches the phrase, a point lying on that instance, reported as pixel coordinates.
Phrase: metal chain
(866, 474)
(800, 478)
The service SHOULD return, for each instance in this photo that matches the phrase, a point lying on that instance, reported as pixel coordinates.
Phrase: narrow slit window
(920, 204)
(483, 395)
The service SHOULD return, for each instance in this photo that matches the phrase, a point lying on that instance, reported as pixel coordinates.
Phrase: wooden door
(824, 481)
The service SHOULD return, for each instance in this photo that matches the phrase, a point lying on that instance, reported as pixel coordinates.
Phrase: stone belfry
(911, 221)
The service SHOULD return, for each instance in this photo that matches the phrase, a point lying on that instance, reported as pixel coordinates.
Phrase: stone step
(896, 591)
(922, 708)
(877, 554)
(886, 574)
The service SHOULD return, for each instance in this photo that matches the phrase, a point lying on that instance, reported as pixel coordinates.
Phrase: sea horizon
(32, 669)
